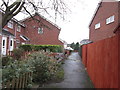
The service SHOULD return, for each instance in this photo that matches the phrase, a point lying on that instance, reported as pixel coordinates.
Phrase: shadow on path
(75, 74)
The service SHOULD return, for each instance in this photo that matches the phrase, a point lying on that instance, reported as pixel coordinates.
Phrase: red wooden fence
(101, 60)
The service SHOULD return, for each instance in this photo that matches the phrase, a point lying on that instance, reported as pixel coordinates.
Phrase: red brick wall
(103, 62)
(106, 10)
(49, 36)
(15, 33)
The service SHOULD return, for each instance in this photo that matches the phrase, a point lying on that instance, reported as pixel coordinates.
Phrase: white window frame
(111, 19)
(40, 30)
(18, 28)
(10, 24)
(97, 25)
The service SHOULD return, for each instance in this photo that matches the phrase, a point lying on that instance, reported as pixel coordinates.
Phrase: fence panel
(119, 59)
(20, 82)
(84, 55)
(102, 62)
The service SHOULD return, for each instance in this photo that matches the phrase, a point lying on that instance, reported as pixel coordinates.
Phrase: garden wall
(101, 60)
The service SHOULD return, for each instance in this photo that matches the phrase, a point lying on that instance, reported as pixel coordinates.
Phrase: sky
(76, 28)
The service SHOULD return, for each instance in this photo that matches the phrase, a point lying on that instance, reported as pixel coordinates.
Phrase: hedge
(51, 48)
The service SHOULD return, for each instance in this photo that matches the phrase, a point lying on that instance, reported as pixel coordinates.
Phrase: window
(97, 26)
(10, 24)
(11, 43)
(18, 28)
(3, 42)
(110, 19)
(40, 30)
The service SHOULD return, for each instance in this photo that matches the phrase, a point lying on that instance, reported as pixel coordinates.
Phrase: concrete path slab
(75, 74)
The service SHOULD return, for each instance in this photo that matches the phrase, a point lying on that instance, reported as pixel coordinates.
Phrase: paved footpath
(75, 74)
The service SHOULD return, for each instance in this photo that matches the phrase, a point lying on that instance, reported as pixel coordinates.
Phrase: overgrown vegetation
(44, 68)
(17, 53)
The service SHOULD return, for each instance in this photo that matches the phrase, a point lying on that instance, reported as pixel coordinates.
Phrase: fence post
(23, 83)
(13, 83)
(20, 82)
(8, 84)
(17, 82)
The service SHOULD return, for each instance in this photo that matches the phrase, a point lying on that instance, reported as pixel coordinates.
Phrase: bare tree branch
(5, 3)
(56, 6)
(19, 9)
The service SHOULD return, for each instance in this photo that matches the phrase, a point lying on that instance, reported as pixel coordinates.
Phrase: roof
(98, 6)
(5, 32)
(85, 41)
(43, 18)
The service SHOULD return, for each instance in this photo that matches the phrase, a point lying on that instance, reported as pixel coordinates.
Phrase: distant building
(85, 41)
(105, 20)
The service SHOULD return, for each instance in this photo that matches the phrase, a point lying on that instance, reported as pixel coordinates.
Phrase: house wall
(105, 10)
(50, 32)
(16, 36)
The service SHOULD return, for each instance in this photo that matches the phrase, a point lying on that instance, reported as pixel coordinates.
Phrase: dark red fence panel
(102, 62)
(84, 55)
(119, 60)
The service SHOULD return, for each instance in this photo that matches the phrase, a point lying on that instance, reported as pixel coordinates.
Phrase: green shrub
(44, 67)
(5, 60)
(51, 48)
(17, 53)
(26, 47)
(14, 69)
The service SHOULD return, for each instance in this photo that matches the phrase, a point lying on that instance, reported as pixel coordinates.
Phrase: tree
(76, 46)
(13, 7)
(72, 45)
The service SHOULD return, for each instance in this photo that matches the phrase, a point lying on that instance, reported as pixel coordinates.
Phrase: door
(11, 44)
(4, 45)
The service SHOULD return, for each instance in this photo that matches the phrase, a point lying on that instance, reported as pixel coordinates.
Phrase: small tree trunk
(0, 33)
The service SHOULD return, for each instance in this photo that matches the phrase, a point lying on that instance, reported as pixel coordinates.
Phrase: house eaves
(43, 18)
(5, 32)
(98, 6)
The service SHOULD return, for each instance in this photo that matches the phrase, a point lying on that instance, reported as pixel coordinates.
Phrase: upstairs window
(10, 24)
(40, 30)
(18, 28)
(97, 25)
(110, 19)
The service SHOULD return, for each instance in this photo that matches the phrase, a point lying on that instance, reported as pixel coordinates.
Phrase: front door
(4, 45)
(11, 47)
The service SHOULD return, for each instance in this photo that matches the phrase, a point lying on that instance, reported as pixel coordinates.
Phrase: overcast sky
(76, 28)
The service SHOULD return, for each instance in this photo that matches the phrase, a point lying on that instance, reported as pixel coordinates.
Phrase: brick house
(105, 20)
(41, 31)
(29, 31)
